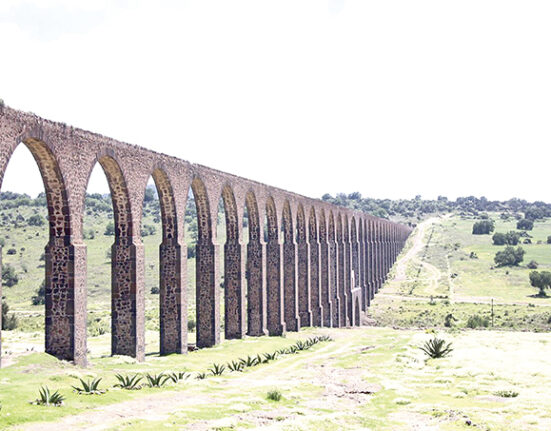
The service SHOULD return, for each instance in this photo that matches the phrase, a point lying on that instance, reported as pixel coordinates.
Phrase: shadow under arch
(234, 321)
(256, 293)
(274, 289)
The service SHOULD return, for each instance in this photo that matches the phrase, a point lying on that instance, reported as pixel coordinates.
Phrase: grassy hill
(453, 278)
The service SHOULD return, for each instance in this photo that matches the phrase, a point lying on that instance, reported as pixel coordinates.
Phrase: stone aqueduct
(322, 270)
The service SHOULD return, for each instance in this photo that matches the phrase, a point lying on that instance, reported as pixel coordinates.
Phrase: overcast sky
(389, 98)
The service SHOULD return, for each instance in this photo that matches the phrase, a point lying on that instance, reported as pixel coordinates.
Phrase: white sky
(389, 98)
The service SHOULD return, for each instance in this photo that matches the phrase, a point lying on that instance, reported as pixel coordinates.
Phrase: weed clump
(274, 395)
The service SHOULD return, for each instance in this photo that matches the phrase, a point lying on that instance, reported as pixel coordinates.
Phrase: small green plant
(291, 350)
(437, 348)
(156, 380)
(235, 366)
(47, 398)
(270, 356)
(273, 395)
(477, 321)
(301, 345)
(249, 361)
(217, 369)
(89, 387)
(506, 394)
(201, 376)
(177, 377)
(129, 382)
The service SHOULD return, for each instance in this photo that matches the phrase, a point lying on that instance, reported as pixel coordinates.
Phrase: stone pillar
(315, 283)
(290, 301)
(234, 307)
(362, 265)
(173, 298)
(334, 282)
(325, 279)
(347, 276)
(128, 298)
(303, 282)
(274, 287)
(341, 279)
(207, 293)
(256, 289)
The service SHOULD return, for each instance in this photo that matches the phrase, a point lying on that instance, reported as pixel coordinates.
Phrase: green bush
(525, 224)
(274, 395)
(9, 277)
(40, 297)
(9, 321)
(540, 280)
(36, 220)
(484, 227)
(109, 229)
(477, 321)
(509, 257)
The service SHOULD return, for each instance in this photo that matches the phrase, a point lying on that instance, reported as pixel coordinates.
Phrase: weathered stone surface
(306, 262)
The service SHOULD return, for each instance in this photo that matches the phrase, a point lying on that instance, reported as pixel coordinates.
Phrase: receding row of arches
(292, 264)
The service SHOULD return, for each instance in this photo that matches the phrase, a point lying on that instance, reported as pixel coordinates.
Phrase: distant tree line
(418, 208)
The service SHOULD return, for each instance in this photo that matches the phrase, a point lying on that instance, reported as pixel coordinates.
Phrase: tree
(509, 257)
(532, 264)
(149, 193)
(484, 227)
(40, 297)
(9, 322)
(499, 238)
(36, 220)
(9, 277)
(525, 224)
(512, 238)
(549, 239)
(541, 280)
(109, 229)
(534, 213)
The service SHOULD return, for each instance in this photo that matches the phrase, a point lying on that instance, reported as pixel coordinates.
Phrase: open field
(370, 378)
(442, 280)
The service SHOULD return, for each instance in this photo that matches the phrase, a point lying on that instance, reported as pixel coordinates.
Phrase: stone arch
(234, 311)
(334, 271)
(166, 201)
(65, 319)
(303, 268)
(316, 311)
(256, 301)
(119, 196)
(274, 288)
(204, 223)
(325, 271)
(207, 292)
(341, 270)
(127, 295)
(290, 297)
(172, 298)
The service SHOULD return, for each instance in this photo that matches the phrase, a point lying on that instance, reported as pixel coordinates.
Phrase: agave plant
(217, 369)
(270, 356)
(259, 359)
(281, 352)
(201, 376)
(235, 366)
(250, 361)
(47, 398)
(156, 380)
(437, 348)
(301, 345)
(291, 350)
(89, 387)
(176, 377)
(129, 382)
